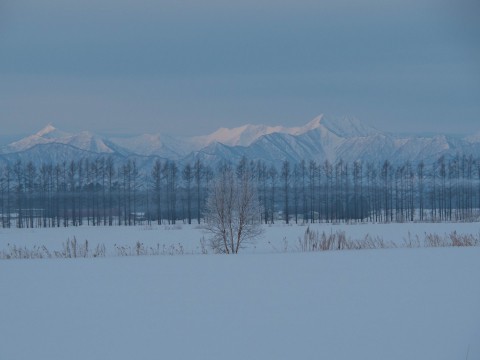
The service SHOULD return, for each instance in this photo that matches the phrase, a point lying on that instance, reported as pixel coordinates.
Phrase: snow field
(277, 238)
(419, 303)
(370, 304)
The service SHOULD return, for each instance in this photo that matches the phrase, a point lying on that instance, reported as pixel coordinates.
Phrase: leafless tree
(286, 175)
(233, 212)
(110, 172)
(157, 178)
(188, 177)
(198, 175)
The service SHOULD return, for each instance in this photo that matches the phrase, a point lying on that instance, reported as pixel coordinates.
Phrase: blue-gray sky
(189, 66)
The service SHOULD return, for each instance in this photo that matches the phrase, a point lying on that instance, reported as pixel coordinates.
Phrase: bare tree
(188, 177)
(170, 171)
(72, 189)
(110, 172)
(272, 175)
(262, 177)
(6, 181)
(157, 177)
(286, 174)
(233, 212)
(19, 177)
(198, 174)
(421, 188)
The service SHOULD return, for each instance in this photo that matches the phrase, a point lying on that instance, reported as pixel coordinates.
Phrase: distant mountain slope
(49, 153)
(320, 139)
(50, 135)
(162, 145)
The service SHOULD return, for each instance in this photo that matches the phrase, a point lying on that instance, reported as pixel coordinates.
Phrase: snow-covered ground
(276, 238)
(419, 303)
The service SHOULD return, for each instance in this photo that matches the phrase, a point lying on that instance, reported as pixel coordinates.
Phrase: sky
(188, 67)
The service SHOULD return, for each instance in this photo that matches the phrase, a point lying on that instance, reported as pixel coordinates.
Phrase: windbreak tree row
(102, 192)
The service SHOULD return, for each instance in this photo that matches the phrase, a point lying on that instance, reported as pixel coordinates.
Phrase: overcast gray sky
(190, 66)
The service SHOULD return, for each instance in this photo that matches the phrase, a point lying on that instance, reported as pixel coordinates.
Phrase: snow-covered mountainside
(320, 139)
(50, 135)
(161, 145)
(246, 135)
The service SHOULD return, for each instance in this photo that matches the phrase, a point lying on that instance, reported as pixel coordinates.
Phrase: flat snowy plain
(404, 303)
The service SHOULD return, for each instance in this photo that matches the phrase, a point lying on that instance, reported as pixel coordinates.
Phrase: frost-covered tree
(233, 211)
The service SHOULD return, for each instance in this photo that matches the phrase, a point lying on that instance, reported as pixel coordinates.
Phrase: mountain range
(320, 139)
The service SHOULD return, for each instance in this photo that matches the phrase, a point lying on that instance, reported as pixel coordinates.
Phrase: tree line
(102, 192)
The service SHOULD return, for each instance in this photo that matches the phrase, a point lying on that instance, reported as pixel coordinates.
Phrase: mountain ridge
(320, 139)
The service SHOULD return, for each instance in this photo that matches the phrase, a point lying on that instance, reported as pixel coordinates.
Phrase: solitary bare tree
(233, 211)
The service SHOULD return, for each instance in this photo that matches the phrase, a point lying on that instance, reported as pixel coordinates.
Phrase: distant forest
(102, 192)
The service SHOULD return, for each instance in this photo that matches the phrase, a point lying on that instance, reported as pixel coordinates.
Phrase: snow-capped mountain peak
(347, 127)
(156, 144)
(240, 136)
(313, 124)
(51, 135)
(247, 134)
(474, 138)
(322, 138)
(46, 130)
(85, 140)
(51, 132)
